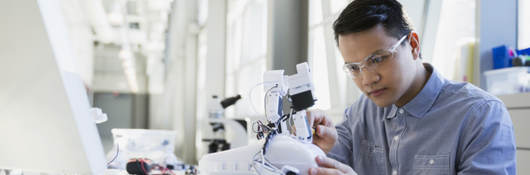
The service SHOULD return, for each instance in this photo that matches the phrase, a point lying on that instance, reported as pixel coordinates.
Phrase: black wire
(267, 165)
(115, 156)
(267, 140)
(283, 118)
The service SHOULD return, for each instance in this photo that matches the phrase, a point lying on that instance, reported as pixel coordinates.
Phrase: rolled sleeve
(488, 142)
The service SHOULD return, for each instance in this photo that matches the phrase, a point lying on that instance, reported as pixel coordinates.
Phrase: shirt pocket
(431, 164)
(373, 158)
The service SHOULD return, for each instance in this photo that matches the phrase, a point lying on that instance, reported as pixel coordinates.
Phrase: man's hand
(330, 166)
(325, 133)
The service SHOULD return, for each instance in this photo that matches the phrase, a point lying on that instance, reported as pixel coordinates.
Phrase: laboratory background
(86, 85)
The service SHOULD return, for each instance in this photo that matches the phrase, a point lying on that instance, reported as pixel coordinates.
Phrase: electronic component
(288, 147)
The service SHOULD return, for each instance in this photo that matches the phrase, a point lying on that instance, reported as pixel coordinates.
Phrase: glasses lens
(351, 69)
(377, 60)
(370, 64)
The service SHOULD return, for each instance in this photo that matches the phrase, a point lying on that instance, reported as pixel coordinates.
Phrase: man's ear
(415, 44)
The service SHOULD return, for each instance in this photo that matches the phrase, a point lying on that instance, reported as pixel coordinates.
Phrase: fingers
(324, 171)
(326, 162)
(330, 166)
(318, 117)
(325, 137)
(325, 131)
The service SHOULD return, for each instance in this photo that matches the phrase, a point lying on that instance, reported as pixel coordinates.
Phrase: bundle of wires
(260, 162)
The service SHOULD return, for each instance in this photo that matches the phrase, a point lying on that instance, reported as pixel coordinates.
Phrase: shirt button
(394, 172)
(401, 111)
(396, 138)
(431, 161)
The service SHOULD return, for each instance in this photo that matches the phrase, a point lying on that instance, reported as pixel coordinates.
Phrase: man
(409, 120)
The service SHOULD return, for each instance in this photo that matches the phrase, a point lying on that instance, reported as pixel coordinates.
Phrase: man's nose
(369, 77)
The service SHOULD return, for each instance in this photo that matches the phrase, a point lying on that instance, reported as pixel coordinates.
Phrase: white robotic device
(287, 147)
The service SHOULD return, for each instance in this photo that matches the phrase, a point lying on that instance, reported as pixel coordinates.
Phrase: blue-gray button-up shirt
(448, 128)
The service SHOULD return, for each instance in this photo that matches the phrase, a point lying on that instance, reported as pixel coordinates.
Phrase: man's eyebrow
(372, 54)
(377, 51)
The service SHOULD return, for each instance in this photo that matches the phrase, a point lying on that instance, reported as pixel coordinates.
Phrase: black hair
(361, 15)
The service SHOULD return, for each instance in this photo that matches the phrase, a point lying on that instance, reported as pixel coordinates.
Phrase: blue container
(501, 57)
(524, 51)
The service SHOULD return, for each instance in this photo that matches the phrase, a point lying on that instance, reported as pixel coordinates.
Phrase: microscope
(286, 137)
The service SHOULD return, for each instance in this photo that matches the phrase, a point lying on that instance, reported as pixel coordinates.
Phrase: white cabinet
(523, 157)
(519, 108)
(521, 120)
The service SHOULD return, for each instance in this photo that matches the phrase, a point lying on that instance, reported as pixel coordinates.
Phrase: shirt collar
(420, 104)
(393, 109)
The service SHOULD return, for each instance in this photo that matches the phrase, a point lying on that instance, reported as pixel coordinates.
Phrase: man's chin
(381, 102)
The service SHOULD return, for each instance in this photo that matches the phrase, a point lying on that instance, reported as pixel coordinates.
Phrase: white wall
(524, 25)
(175, 108)
(78, 36)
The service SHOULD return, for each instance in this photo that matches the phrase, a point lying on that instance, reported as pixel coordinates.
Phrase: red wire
(164, 169)
(167, 169)
(142, 165)
(171, 172)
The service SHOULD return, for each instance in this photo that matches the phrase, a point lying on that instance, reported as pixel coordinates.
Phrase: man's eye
(378, 59)
(355, 67)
